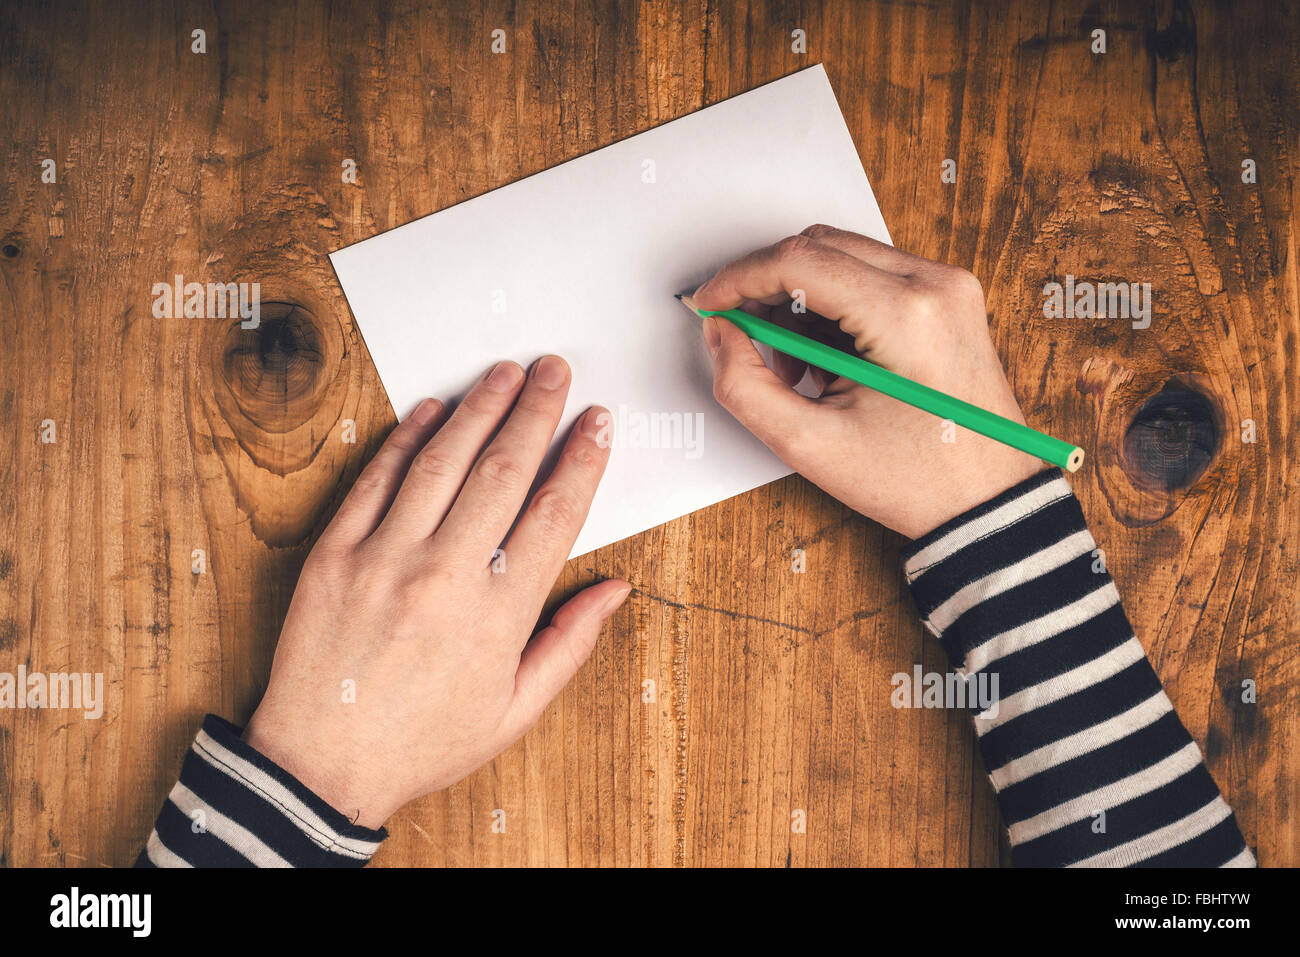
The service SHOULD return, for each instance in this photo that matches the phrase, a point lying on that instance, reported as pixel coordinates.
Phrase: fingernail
(616, 599)
(424, 412)
(703, 290)
(599, 424)
(503, 377)
(549, 372)
(712, 335)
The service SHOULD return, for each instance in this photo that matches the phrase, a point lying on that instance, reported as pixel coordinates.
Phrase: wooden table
(770, 687)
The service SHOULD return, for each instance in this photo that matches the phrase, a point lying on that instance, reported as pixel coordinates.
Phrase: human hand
(921, 319)
(400, 598)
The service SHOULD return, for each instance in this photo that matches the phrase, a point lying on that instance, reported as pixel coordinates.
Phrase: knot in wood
(1172, 438)
(275, 371)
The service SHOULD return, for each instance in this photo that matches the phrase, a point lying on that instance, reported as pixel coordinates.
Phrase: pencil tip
(677, 296)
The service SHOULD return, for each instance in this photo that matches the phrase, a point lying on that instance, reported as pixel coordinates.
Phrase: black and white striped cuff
(233, 807)
(1023, 546)
(1089, 761)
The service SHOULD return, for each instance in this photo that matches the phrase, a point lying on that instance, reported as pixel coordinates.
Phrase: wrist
(993, 476)
(333, 778)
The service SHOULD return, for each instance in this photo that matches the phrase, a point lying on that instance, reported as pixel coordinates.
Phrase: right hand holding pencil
(921, 319)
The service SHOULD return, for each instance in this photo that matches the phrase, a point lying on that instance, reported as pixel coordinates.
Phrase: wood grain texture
(771, 687)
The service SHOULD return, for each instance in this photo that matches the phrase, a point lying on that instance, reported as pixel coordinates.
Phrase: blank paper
(583, 260)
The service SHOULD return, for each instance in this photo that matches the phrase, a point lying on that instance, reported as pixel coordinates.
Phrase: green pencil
(1058, 453)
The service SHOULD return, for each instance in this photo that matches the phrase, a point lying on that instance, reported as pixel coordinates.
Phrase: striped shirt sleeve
(232, 807)
(1091, 766)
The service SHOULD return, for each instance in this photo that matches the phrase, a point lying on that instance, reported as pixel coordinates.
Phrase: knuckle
(500, 468)
(433, 465)
(372, 482)
(417, 589)
(405, 438)
(554, 509)
(819, 230)
(585, 455)
(576, 658)
(793, 247)
(965, 283)
(439, 575)
(920, 303)
(536, 403)
(482, 403)
(727, 386)
(407, 604)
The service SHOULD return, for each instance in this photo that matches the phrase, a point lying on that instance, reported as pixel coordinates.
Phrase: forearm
(1090, 763)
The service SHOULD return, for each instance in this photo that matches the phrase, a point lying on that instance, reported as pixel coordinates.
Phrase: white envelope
(583, 260)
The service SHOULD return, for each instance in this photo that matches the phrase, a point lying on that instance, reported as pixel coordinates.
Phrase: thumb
(758, 398)
(555, 653)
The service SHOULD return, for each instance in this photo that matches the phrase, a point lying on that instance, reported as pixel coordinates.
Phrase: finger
(816, 327)
(499, 481)
(756, 308)
(540, 544)
(822, 380)
(873, 251)
(830, 282)
(785, 421)
(788, 369)
(439, 469)
(373, 492)
(556, 652)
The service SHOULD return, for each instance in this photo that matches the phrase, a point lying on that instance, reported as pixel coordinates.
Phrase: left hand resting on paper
(405, 661)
